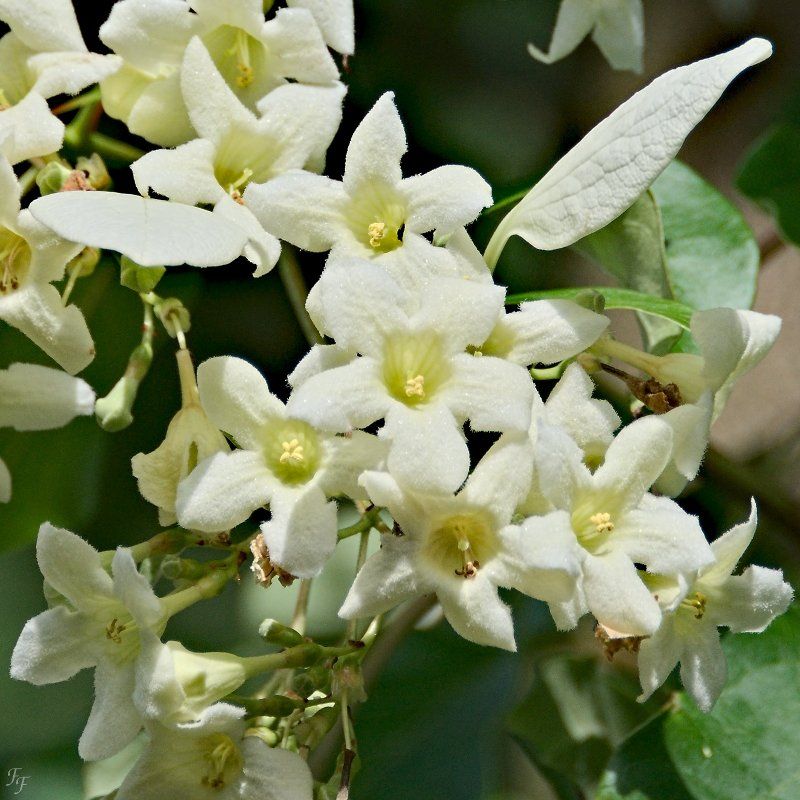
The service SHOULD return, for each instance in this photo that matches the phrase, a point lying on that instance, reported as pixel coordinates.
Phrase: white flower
(254, 57)
(617, 523)
(212, 758)
(235, 147)
(731, 343)
(283, 461)
(544, 332)
(31, 257)
(616, 161)
(98, 626)
(43, 55)
(711, 598)
(616, 26)
(335, 20)
(413, 372)
(462, 547)
(191, 438)
(369, 211)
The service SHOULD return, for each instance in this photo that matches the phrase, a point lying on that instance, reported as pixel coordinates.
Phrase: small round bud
(140, 279)
(52, 177)
(173, 315)
(273, 632)
(96, 171)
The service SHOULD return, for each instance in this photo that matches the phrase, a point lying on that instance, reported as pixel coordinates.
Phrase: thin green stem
(369, 520)
(110, 148)
(87, 99)
(297, 291)
(28, 179)
(301, 607)
(511, 200)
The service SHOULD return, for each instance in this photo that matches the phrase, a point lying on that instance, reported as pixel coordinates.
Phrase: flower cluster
(567, 505)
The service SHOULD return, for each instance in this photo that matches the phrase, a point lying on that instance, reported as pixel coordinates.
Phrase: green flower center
(292, 450)
(15, 261)
(376, 217)
(461, 544)
(242, 61)
(414, 368)
(223, 759)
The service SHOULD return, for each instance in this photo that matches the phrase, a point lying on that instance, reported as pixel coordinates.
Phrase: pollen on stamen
(602, 522)
(415, 387)
(376, 231)
(292, 452)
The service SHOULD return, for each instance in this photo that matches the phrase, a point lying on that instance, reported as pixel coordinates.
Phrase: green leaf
(712, 255)
(747, 747)
(578, 710)
(671, 310)
(770, 175)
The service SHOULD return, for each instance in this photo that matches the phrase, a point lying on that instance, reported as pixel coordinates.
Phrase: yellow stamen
(376, 231)
(292, 452)
(114, 631)
(224, 761)
(696, 602)
(602, 522)
(415, 387)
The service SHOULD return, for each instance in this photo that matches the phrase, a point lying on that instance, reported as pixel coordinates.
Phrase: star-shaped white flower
(370, 210)
(34, 398)
(295, 127)
(213, 758)
(283, 461)
(97, 625)
(31, 258)
(43, 55)
(710, 598)
(617, 523)
(412, 371)
(616, 26)
(617, 160)
(462, 547)
(253, 56)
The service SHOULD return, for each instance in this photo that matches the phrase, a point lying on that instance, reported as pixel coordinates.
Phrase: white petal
(351, 455)
(158, 114)
(30, 130)
(615, 162)
(342, 398)
(658, 655)
(71, 565)
(444, 199)
(319, 358)
(43, 24)
(547, 331)
(185, 174)
(237, 399)
(462, 312)
(729, 549)
(616, 595)
(300, 208)
(335, 20)
(387, 579)
(271, 773)
(223, 491)
(134, 590)
(541, 558)
(619, 33)
(635, 459)
(660, 534)
(493, 394)
(151, 232)
(59, 330)
(301, 536)
(476, 612)
(590, 423)
(9, 192)
(361, 306)
(378, 144)
(69, 73)
(703, 667)
(732, 343)
(52, 647)
(750, 601)
(38, 398)
(114, 720)
(560, 470)
(574, 21)
(428, 452)
(262, 248)
(502, 478)
(411, 514)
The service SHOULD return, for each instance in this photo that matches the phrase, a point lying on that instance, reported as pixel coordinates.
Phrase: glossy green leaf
(671, 310)
(770, 175)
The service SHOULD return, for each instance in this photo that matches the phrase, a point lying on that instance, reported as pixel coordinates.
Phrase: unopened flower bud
(274, 632)
(52, 177)
(114, 411)
(591, 299)
(173, 315)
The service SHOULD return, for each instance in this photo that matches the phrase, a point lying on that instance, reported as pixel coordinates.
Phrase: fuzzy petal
(262, 248)
(43, 24)
(619, 33)
(29, 130)
(223, 491)
(729, 549)
(703, 667)
(658, 655)
(575, 20)
(350, 457)
(134, 590)
(271, 773)
(748, 602)
(69, 73)
(335, 20)
(616, 161)
(301, 535)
